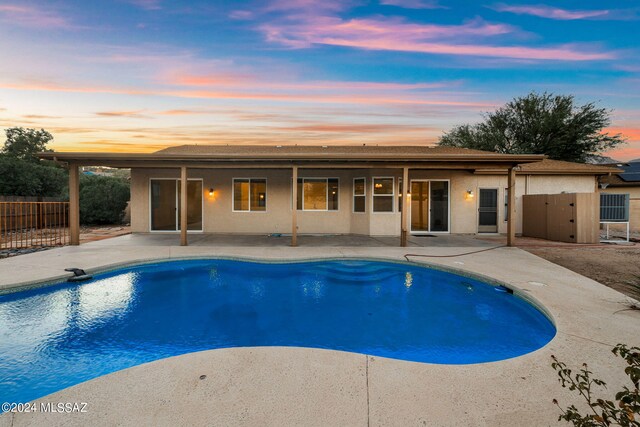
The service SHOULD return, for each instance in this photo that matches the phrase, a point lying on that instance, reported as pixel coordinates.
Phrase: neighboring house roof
(631, 172)
(630, 176)
(559, 167)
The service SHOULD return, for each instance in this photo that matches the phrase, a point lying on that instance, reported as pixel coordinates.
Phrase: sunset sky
(140, 75)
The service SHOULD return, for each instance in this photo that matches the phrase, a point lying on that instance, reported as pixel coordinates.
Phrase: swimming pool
(58, 336)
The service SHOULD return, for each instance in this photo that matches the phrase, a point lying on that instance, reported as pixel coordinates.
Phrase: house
(338, 189)
(627, 182)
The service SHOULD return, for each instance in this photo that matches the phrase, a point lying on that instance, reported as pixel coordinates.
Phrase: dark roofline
(285, 158)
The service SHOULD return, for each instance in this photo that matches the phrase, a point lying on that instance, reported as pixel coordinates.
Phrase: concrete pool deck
(299, 386)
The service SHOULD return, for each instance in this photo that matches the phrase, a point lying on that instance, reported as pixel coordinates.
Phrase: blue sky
(139, 75)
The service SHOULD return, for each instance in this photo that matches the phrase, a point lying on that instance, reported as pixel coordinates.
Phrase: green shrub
(624, 410)
(28, 178)
(103, 199)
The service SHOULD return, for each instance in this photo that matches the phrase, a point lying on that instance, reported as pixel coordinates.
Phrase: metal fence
(33, 224)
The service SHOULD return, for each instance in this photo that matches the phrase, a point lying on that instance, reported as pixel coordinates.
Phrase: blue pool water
(58, 336)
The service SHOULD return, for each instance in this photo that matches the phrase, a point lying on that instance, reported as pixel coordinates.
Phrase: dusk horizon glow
(142, 75)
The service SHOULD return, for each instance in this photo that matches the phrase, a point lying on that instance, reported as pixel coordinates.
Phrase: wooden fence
(33, 224)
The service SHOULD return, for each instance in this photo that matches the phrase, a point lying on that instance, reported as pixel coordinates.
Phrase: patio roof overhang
(469, 161)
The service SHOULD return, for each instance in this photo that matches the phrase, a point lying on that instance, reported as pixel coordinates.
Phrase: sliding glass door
(419, 206)
(439, 206)
(165, 204)
(429, 206)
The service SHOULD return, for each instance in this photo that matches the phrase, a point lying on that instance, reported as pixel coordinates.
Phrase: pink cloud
(147, 4)
(308, 5)
(632, 149)
(248, 81)
(129, 114)
(624, 154)
(413, 4)
(357, 128)
(396, 34)
(31, 17)
(632, 133)
(241, 14)
(549, 12)
(239, 94)
(183, 79)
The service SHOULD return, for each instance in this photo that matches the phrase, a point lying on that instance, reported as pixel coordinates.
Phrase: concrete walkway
(295, 386)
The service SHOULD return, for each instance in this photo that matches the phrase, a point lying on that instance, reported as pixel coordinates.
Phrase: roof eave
(81, 158)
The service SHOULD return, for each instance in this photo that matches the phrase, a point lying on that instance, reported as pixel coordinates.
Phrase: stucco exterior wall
(218, 216)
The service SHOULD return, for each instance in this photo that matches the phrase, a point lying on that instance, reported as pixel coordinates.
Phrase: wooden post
(511, 205)
(183, 206)
(74, 204)
(406, 205)
(294, 211)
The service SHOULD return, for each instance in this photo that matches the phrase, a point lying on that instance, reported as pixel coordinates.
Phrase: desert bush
(623, 410)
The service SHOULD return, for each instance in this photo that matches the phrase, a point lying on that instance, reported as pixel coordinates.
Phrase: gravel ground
(615, 266)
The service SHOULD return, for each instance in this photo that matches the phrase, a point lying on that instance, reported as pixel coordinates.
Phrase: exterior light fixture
(211, 191)
(469, 195)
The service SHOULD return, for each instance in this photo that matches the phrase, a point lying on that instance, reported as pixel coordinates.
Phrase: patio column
(74, 204)
(294, 210)
(183, 206)
(406, 204)
(511, 205)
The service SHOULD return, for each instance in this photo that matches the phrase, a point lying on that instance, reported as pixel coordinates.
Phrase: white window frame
(326, 179)
(392, 195)
(177, 230)
(353, 199)
(233, 189)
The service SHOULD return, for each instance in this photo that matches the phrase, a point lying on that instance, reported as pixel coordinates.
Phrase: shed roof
(558, 167)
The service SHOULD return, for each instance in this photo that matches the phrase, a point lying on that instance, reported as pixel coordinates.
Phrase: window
(249, 194)
(383, 194)
(359, 196)
(318, 194)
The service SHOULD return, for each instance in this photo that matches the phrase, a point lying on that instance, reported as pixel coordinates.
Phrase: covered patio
(405, 162)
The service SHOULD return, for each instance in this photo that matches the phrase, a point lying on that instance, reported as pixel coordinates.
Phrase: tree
(25, 178)
(540, 124)
(22, 173)
(103, 199)
(24, 143)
